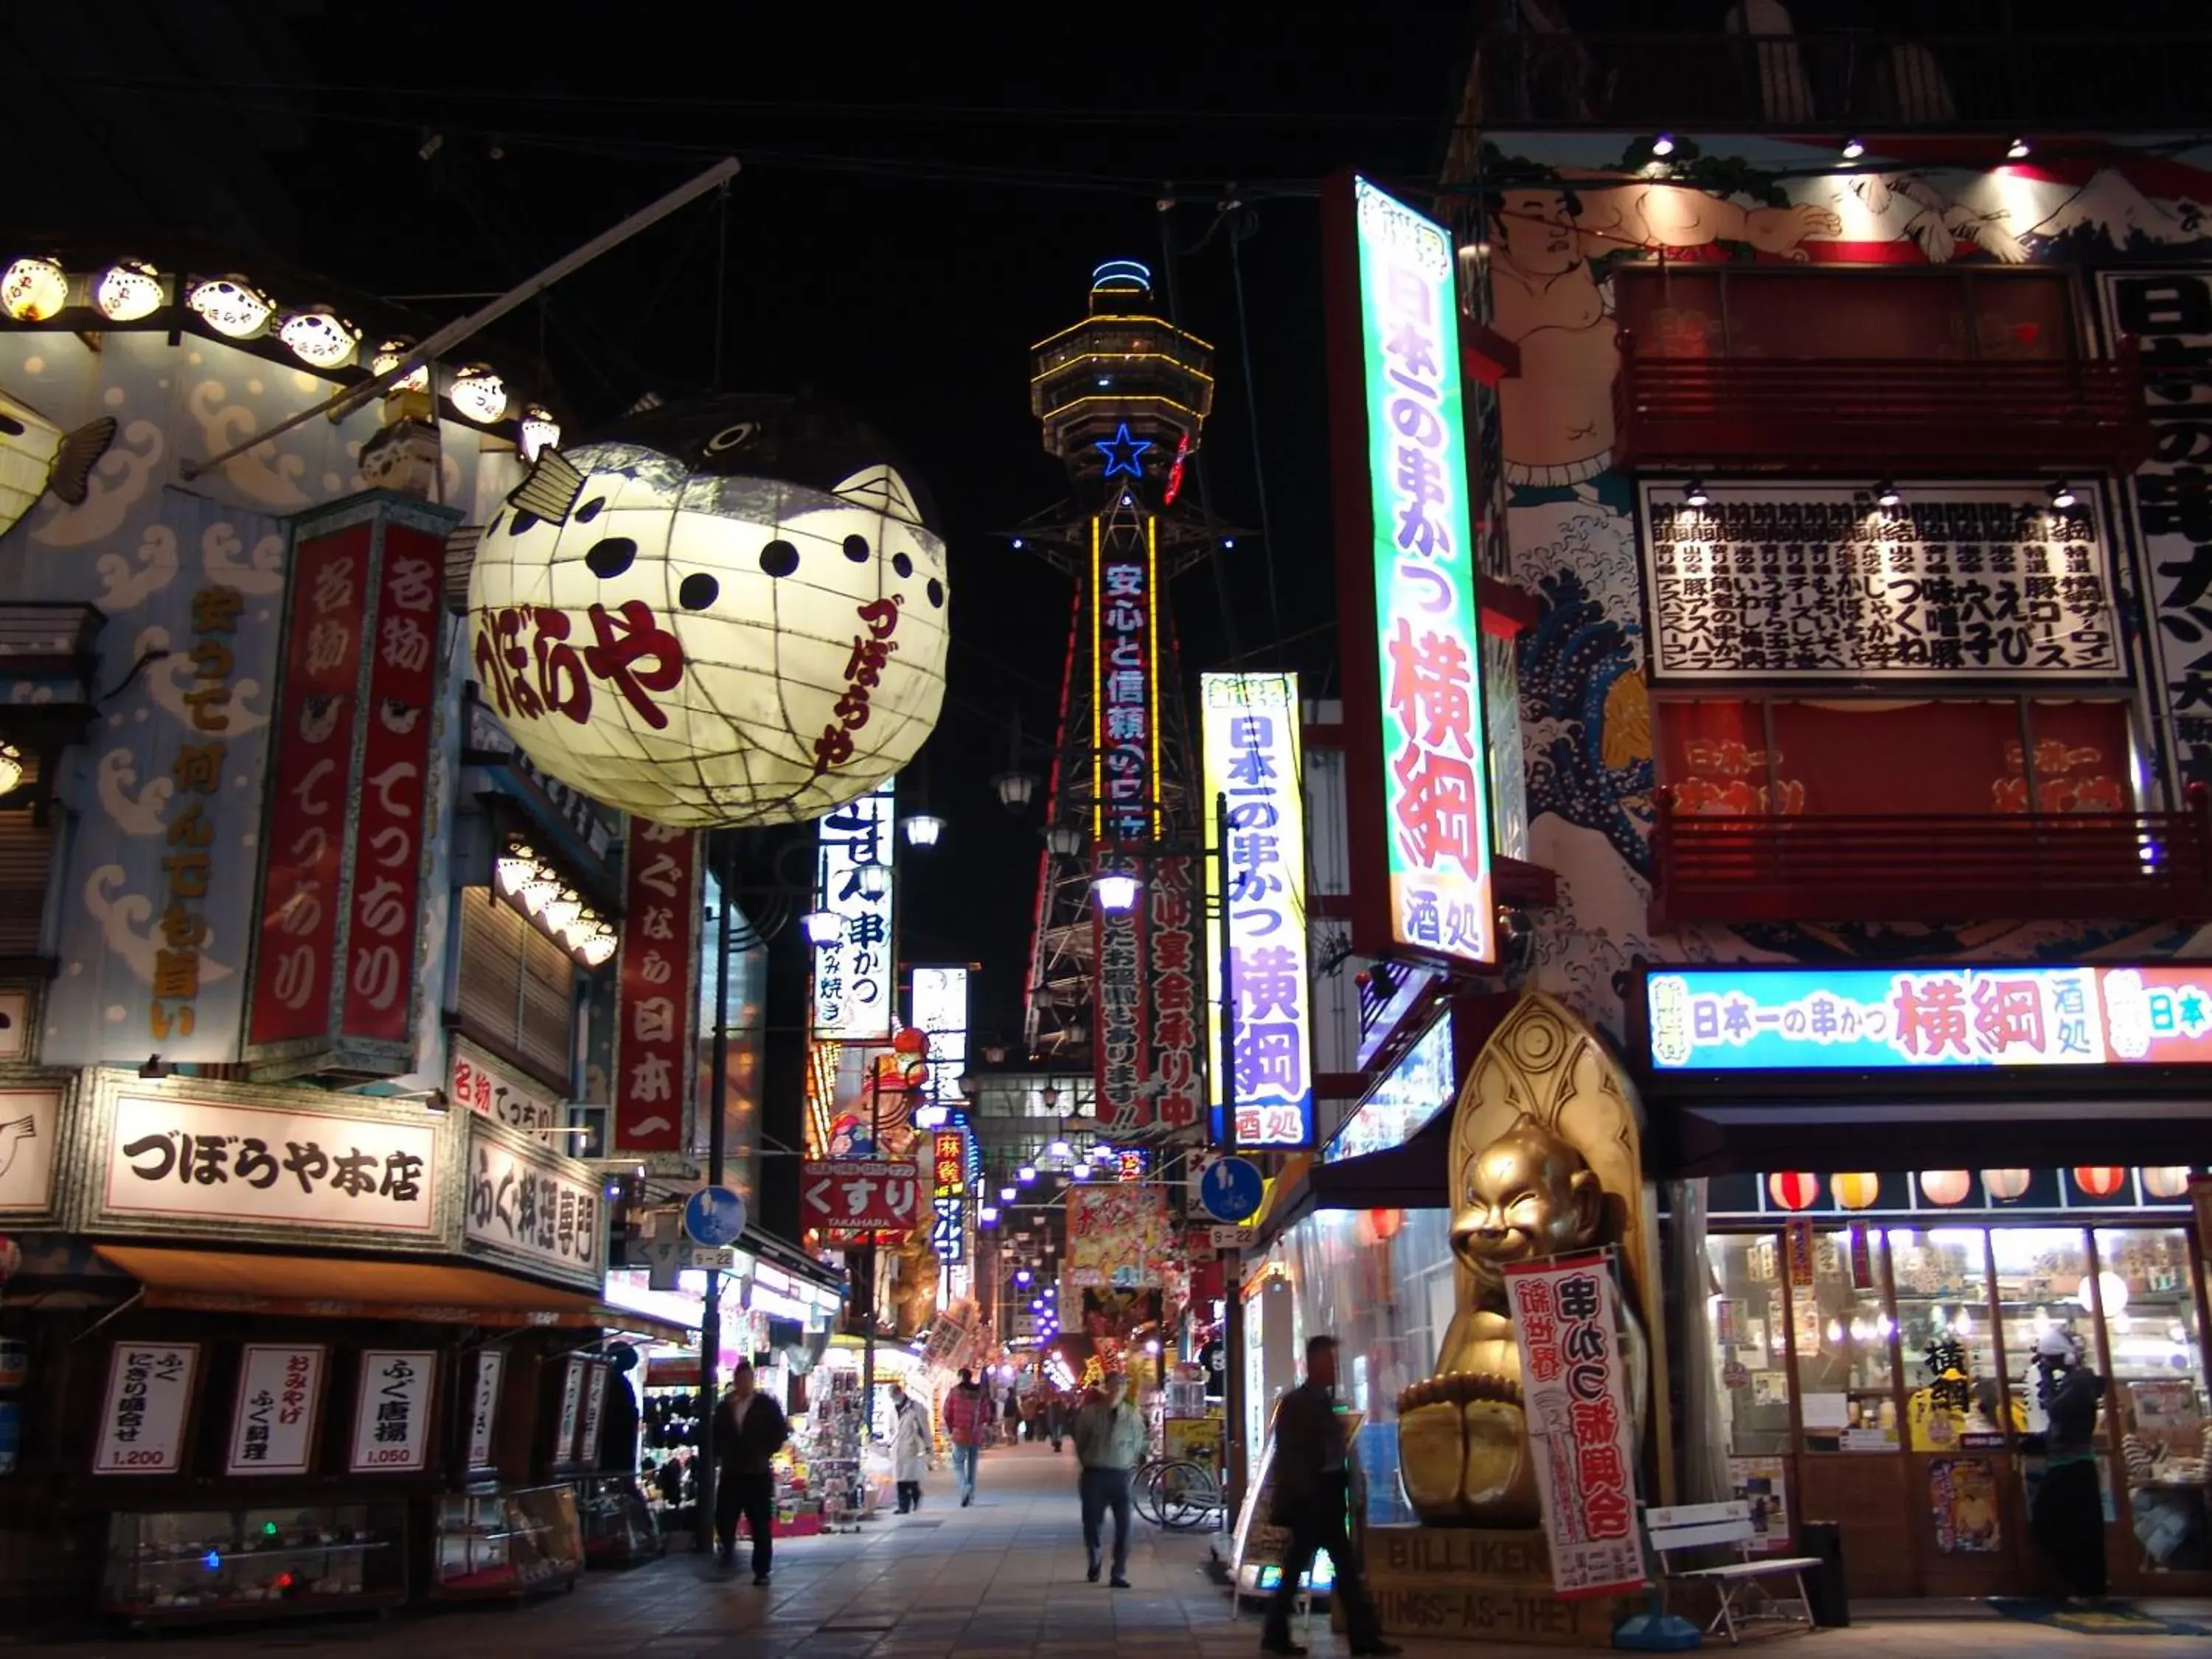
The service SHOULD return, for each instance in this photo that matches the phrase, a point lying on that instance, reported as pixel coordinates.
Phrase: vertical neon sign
(1250, 744)
(1410, 639)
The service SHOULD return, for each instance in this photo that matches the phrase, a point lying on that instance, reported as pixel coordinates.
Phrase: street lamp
(1026, 1174)
(922, 828)
(1116, 893)
(874, 880)
(1082, 1172)
(823, 926)
(971, 1087)
(1060, 1149)
(1007, 1194)
(1064, 841)
(1015, 789)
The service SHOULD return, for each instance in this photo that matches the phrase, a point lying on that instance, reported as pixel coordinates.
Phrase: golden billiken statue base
(1545, 1161)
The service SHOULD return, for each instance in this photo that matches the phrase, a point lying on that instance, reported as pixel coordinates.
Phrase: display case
(506, 1543)
(617, 1527)
(282, 1561)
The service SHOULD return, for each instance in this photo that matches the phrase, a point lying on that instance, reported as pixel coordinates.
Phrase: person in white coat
(910, 1449)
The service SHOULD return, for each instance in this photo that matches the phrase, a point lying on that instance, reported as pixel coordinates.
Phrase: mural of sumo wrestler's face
(1526, 1196)
(1535, 229)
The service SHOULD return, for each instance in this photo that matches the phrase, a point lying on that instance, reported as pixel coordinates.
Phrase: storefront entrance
(1882, 1373)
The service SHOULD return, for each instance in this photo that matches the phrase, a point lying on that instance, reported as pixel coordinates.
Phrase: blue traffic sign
(714, 1216)
(1231, 1189)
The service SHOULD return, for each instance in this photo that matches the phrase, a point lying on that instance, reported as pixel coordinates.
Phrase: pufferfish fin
(551, 488)
(881, 488)
(72, 472)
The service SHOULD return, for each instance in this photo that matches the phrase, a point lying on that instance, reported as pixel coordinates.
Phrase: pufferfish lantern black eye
(609, 556)
(779, 558)
(699, 590)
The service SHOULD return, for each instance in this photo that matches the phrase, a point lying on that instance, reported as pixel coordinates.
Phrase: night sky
(919, 203)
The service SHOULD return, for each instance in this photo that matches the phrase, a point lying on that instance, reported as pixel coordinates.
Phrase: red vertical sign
(1175, 979)
(311, 784)
(386, 901)
(655, 1008)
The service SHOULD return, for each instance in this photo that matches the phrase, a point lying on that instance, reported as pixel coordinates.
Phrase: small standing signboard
(1575, 1392)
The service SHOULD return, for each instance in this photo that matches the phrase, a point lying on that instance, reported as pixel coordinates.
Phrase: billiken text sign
(1410, 634)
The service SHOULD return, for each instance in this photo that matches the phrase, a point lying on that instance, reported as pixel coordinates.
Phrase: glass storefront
(1830, 1342)
(1380, 1281)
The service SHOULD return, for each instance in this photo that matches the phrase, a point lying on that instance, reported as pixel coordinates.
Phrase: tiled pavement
(1003, 1580)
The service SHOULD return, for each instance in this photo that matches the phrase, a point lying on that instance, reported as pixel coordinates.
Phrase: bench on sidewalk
(1743, 1596)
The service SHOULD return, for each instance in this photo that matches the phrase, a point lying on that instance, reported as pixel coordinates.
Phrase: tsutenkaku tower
(1123, 396)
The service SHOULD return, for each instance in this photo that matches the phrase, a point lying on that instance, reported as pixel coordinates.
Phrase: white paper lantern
(231, 306)
(478, 393)
(128, 290)
(32, 290)
(318, 339)
(733, 613)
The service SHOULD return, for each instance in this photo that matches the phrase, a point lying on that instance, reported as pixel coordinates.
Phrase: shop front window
(1749, 1338)
(2042, 1274)
(1842, 1334)
(2152, 1337)
(2158, 1390)
(1948, 1339)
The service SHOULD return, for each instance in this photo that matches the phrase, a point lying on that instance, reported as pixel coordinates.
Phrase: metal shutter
(517, 988)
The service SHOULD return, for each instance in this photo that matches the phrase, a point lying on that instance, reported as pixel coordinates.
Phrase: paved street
(1003, 1580)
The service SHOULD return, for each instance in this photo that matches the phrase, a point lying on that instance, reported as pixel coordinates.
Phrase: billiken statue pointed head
(726, 613)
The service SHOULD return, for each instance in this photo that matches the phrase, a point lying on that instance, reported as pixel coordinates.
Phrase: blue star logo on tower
(1125, 453)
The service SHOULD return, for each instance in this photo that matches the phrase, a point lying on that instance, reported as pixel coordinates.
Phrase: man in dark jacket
(1312, 1497)
(750, 1428)
(2067, 1516)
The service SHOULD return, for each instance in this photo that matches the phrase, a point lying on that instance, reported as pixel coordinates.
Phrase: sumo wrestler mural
(1552, 221)
(1546, 1159)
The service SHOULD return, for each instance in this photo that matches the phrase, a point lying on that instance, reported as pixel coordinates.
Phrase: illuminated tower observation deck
(1122, 398)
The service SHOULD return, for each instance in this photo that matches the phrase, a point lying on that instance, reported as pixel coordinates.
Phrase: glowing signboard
(1708, 1019)
(1415, 1089)
(852, 986)
(1412, 640)
(1249, 741)
(940, 1008)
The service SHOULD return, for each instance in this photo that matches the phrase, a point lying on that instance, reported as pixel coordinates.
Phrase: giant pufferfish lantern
(729, 612)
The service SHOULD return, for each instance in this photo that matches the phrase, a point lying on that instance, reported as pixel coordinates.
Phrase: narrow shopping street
(1002, 1580)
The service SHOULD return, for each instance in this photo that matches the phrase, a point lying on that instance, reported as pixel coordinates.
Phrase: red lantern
(1387, 1223)
(2171, 1181)
(1857, 1192)
(2099, 1180)
(1795, 1190)
(2005, 1185)
(1945, 1186)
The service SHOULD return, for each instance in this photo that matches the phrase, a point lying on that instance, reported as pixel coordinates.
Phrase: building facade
(1852, 475)
(311, 984)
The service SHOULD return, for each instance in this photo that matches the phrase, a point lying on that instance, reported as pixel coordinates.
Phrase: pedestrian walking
(1109, 1443)
(1312, 1498)
(750, 1428)
(1013, 1418)
(1056, 1418)
(2067, 1516)
(967, 1418)
(910, 1449)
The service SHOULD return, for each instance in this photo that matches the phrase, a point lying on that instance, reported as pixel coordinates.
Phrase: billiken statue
(1522, 1194)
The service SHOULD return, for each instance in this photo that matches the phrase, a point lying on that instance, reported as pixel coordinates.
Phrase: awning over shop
(1754, 1136)
(1411, 1176)
(444, 1293)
